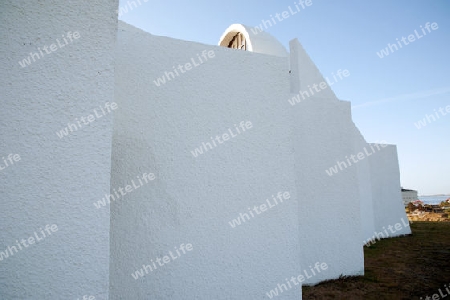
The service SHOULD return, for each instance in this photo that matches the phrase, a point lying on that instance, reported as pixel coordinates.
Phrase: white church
(156, 168)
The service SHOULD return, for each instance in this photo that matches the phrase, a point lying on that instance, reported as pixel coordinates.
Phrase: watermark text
(29, 241)
(341, 165)
(341, 74)
(53, 47)
(222, 138)
(78, 124)
(432, 118)
(123, 191)
(298, 7)
(161, 261)
(391, 48)
(262, 208)
(169, 75)
(9, 161)
(318, 267)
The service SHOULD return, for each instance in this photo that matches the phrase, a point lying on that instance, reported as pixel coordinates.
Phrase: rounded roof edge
(257, 41)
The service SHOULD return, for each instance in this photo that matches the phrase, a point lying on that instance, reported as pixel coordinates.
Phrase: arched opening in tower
(238, 42)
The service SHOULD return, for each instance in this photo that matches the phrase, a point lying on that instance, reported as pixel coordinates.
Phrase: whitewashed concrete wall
(56, 180)
(193, 199)
(387, 200)
(364, 185)
(329, 209)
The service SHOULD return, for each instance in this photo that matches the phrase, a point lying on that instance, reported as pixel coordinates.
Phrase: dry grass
(406, 267)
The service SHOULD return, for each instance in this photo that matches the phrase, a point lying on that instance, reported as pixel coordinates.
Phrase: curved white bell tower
(239, 36)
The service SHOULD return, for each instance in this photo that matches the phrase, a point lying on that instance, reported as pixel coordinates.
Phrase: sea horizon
(433, 199)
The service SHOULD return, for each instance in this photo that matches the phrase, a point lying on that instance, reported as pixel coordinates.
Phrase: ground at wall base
(407, 267)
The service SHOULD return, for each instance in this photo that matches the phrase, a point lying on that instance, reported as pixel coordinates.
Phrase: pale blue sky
(389, 95)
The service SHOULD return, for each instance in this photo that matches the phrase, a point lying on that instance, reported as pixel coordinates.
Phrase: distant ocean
(433, 199)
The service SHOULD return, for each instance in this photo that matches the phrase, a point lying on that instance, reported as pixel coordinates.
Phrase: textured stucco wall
(329, 209)
(364, 185)
(193, 199)
(329, 206)
(57, 180)
(387, 199)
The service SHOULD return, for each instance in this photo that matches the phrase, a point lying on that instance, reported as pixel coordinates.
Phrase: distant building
(409, 196)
